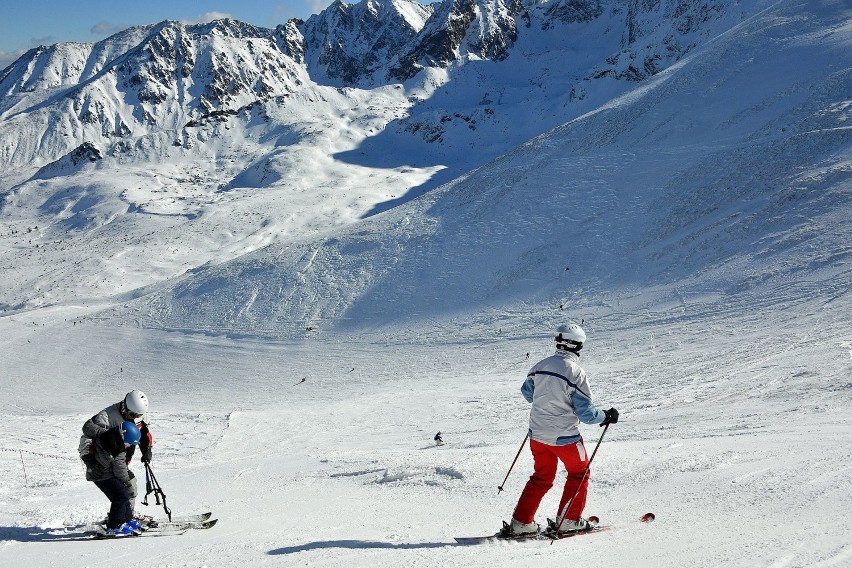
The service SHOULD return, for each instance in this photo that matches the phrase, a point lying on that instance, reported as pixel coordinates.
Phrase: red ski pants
(546, 459)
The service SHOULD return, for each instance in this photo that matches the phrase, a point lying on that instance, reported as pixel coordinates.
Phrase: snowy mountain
(146, 82)
(191, 118)
(712, 188)
(347, 43)
(310, 277)
(461, 30)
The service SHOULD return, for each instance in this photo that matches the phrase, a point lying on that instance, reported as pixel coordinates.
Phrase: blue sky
(29, 23)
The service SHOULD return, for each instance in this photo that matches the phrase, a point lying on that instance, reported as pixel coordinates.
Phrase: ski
(505, 535)
(167, 528)
(106, 536)
(173, 526)
(470, 540)
(546, 534)
(193, 518)
(196, 518)
(551, 535)
(98, 535)
(154, 527)
(145, 520)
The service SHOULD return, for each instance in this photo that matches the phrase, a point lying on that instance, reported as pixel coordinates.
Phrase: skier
(131, 408)
(559, 392)
(106, 466)
(439, 441)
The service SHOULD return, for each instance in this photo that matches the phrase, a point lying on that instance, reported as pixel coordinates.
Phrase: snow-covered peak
(249, 110)
(348, 43)
(151, 80)
(414, 13)
(66, 64)
(46, 67)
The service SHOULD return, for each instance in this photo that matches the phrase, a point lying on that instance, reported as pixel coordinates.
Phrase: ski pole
(500, 487)
(564, 510)
(148, 487)
(157, 490)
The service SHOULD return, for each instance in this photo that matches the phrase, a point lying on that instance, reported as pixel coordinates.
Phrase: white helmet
(136, 402)
(570, 337)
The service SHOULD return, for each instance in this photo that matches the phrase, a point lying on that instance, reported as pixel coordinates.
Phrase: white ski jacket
(559, 392)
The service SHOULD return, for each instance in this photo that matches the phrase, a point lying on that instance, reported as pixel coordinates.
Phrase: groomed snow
(734, 433)
(699, 228)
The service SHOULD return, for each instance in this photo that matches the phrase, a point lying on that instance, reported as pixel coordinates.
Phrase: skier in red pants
(559, 392)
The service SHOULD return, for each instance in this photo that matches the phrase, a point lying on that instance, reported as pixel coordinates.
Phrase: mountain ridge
(287, 178)
(166, 75)
(712, 191)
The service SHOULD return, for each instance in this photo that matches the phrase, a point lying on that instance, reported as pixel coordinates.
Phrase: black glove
(146, 455)
(130, 474)
(611, 417)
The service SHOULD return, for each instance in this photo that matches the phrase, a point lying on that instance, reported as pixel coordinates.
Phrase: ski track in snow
(300, 352)
(736, 462)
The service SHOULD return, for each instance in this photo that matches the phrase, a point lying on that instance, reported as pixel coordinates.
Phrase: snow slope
(698, 226)
(215, 131)
(705, 184)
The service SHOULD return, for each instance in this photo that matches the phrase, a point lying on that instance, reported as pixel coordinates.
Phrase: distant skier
(106, 466)
(131, 408)
(559, 392)
(439, 441)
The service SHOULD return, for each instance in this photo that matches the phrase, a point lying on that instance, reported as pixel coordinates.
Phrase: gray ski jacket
(101, 464)
(107, 418)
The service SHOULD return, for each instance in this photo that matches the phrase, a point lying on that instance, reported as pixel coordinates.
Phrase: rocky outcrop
(84, 155)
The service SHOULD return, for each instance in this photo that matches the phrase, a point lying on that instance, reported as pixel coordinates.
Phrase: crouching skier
(106, 466)
(132, 408)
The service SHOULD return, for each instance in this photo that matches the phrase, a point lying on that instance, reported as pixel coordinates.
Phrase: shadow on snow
(356, 544)
(39, 534)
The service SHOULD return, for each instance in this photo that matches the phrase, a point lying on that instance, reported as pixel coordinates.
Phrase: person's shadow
(356, 544)
(39, 534)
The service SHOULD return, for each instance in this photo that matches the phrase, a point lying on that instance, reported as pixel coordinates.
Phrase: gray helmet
(570, 337)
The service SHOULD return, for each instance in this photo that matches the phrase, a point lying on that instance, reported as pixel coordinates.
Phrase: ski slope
(741, 450)
(698, 226)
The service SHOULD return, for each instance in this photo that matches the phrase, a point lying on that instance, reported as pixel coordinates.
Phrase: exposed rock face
(163, 78)
(459, 28)
(572, 11)
(349, 43)
(84, 155)
(658, 33)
